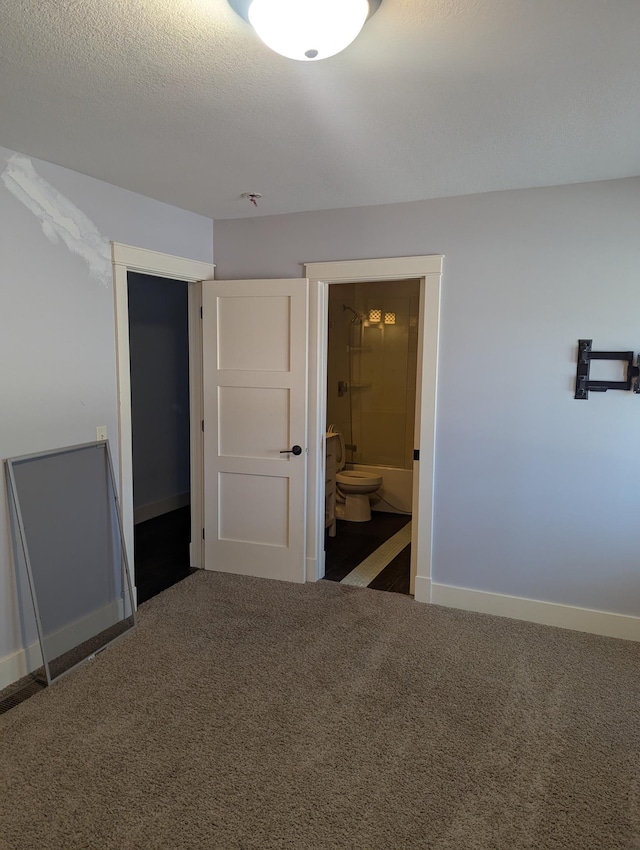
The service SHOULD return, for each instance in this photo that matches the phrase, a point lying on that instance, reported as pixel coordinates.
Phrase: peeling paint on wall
(59, 217)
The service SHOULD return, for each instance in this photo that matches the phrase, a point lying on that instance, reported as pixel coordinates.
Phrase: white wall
(537, 495)
(57, 336)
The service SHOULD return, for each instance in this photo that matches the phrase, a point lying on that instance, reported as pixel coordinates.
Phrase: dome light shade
(308, 29)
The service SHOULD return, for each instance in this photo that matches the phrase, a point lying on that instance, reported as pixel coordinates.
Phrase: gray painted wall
(537, 495)
(159, 353)
(57, 333)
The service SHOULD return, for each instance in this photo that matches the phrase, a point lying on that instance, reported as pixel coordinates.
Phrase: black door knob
(296, 450)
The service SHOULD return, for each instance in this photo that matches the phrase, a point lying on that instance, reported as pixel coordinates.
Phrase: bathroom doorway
(372, 365)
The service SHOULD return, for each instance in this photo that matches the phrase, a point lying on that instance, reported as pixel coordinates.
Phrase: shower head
(357, 317)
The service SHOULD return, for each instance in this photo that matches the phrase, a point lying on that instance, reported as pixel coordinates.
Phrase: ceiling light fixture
(306, 29)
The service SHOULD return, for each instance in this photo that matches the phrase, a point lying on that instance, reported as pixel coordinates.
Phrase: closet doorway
(188, 274)
(160, 431)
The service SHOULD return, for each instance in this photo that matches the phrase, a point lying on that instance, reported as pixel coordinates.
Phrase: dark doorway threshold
(162, 553)
(355, 541)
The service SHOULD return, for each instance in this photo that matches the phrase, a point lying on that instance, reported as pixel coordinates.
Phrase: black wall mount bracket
(583, 382)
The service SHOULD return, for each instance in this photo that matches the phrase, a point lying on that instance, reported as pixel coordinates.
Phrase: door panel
(242, 433)
(255, 401)
(268, 318)
(264, 526)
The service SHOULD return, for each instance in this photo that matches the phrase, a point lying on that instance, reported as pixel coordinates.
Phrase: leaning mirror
(68, 534)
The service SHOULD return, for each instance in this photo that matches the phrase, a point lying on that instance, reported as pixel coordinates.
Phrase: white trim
(316, 442)
(159, 264)
(312, 569)
(422, 590)
(163, 506)
(535, 611)
(425, 428)
(196, 416)
(19, 663)
(428, 269)
(391, 268)
(128, 258)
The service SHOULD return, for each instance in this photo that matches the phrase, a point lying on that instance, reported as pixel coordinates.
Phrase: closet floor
(162, 552)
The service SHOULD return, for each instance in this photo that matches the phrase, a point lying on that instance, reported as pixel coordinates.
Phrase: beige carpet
(248, 714)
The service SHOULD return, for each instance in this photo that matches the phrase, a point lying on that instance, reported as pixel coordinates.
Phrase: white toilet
(355, 486)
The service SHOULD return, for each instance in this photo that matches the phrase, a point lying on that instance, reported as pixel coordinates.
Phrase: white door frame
(428, 269)
(127, 258)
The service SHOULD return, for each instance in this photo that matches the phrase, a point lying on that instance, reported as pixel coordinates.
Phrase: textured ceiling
(179, 100)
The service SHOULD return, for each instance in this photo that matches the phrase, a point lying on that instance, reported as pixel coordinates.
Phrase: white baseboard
(164, 506)
(312, 569)
(19, 664)
(422, 592)
(26, 660)
(534, 611)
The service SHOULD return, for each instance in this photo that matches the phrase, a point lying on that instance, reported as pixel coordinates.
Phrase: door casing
(428, 269)
(126, 258)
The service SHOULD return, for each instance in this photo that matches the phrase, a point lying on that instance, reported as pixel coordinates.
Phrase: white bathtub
(397, 487)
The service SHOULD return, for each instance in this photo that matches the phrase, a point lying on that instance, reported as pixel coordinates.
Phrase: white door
(255, 341)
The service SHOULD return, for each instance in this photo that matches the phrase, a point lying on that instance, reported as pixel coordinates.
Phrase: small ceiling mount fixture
(254, 197)
(306, 30)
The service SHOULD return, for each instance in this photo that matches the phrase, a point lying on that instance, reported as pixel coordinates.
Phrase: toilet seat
(356, 481)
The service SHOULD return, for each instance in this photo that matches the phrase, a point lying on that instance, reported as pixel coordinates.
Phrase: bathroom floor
(373, 554)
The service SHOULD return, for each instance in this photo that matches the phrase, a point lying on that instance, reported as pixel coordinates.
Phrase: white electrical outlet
(101, 432)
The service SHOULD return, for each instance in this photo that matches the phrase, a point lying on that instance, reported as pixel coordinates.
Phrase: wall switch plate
(101, 432)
